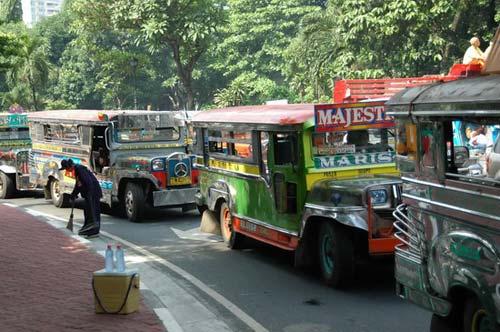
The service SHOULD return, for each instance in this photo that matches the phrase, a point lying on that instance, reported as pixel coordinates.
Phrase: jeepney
(325, 189)
(449, 258)
(14, 153)
(139, 157)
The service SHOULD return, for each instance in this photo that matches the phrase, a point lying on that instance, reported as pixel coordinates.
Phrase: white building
(35, 10)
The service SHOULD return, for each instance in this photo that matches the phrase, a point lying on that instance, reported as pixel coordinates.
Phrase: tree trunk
(457, 20)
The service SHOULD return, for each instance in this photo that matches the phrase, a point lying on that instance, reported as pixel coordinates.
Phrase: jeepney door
(283, 159)
(100, 159)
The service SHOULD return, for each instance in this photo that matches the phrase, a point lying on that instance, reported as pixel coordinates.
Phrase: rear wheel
(444, 324)
(230, 237)
(59, 199)
(7, 186)
(477, 318)
(134, 201)
(336, 254)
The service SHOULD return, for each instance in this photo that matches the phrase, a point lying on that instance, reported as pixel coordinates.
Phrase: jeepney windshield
(353, 148)
(147, 128)
(7, 134)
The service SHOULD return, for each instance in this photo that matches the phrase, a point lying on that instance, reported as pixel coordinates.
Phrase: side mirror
(461, 155)
(105, 171)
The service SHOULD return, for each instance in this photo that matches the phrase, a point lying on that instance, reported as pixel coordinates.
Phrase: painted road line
(168, 320)
(231, 307)
(10, 204)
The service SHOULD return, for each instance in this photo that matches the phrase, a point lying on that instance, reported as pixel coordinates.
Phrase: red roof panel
(288, 114)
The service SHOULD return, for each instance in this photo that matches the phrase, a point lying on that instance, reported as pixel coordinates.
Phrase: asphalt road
(260, 280)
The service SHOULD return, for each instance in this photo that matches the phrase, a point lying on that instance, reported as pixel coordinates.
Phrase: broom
(70, 221)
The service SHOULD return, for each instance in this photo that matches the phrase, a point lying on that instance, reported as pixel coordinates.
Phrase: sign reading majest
(335, 117)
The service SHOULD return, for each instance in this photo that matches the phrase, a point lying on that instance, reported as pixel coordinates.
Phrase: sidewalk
(46, 281)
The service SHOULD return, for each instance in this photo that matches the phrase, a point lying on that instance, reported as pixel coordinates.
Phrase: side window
(285, 149)
(427, 149)
(231, 144)
(473, 150)
(264, 150)
(198, 143)
(62, 133)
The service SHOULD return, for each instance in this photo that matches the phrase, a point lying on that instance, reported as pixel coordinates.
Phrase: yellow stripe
(348, 172)
(47, 147)
(234, 167)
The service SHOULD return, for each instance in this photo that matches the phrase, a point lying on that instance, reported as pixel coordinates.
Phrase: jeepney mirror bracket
(106, 136)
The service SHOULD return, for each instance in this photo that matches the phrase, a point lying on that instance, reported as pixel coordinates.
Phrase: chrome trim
(219, 191)
(407, 232)
(451, 207)
(436, 185)
(335, 209)
(266, 225)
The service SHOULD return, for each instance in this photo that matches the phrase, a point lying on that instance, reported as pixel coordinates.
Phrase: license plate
(180, 181)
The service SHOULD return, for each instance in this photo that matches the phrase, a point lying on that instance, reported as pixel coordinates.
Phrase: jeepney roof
(85, 115)
(288, 114)
(471, 95)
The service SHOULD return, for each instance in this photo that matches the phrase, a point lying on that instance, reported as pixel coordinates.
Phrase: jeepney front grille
(408, 233)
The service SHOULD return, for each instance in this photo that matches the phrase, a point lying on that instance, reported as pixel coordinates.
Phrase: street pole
(133, 63)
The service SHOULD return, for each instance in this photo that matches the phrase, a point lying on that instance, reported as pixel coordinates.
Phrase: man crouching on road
(88, 186)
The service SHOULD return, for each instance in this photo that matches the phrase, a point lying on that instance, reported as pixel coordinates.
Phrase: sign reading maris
(335, 117)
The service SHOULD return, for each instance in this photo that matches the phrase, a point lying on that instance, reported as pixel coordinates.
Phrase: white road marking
(195, 234)
(231, 307)
(10, 204)
(43, 214)
(168, 320)
(244, 317)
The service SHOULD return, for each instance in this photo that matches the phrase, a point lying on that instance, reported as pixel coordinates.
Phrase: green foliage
(9, 49)
(11, 11)
(397, 38)
(185, 26)
(30, 69)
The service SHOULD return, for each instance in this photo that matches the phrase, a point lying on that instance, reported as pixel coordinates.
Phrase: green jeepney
(448, 151)
(323, 188)
(14, 154)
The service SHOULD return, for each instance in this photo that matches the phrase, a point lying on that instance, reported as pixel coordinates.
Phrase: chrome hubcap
(129, 202)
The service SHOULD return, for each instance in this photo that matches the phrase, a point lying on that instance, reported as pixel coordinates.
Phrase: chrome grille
(408, 232)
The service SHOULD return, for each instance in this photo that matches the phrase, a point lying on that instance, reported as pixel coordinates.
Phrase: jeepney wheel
(230, 237)
(477, 318)
(7, 186)
(134, 200)
(336, 254)
(59, 199)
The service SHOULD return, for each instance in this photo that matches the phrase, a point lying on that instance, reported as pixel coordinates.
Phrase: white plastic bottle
(108, 259)
(120, 258)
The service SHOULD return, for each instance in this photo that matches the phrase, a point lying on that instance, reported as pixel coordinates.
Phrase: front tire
(59, 199)
(336, 254)
(231, 238)
(477, 318)
(7, 186)
(134, 201)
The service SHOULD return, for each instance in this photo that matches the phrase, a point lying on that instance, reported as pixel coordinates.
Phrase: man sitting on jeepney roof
(474, 55)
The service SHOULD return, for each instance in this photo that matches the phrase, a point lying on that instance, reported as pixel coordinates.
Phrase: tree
(397, 38)
(186, 27)
(31, 68)
(11, 11)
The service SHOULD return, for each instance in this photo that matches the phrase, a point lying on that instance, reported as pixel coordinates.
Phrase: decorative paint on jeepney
(459, 253)
(13, 120)
(46, 164)
(355, 160)
(135, 163)
(353, 116)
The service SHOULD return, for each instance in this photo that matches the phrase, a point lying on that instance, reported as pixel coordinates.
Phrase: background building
(35, 10)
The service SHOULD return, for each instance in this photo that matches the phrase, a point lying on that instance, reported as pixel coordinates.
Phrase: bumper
(410, 285)
(174, 197)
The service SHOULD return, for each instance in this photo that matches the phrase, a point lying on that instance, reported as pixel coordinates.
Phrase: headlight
(378, 196)
(158, 165)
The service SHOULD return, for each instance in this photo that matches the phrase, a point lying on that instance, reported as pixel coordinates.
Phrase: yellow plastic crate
(110, 292)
